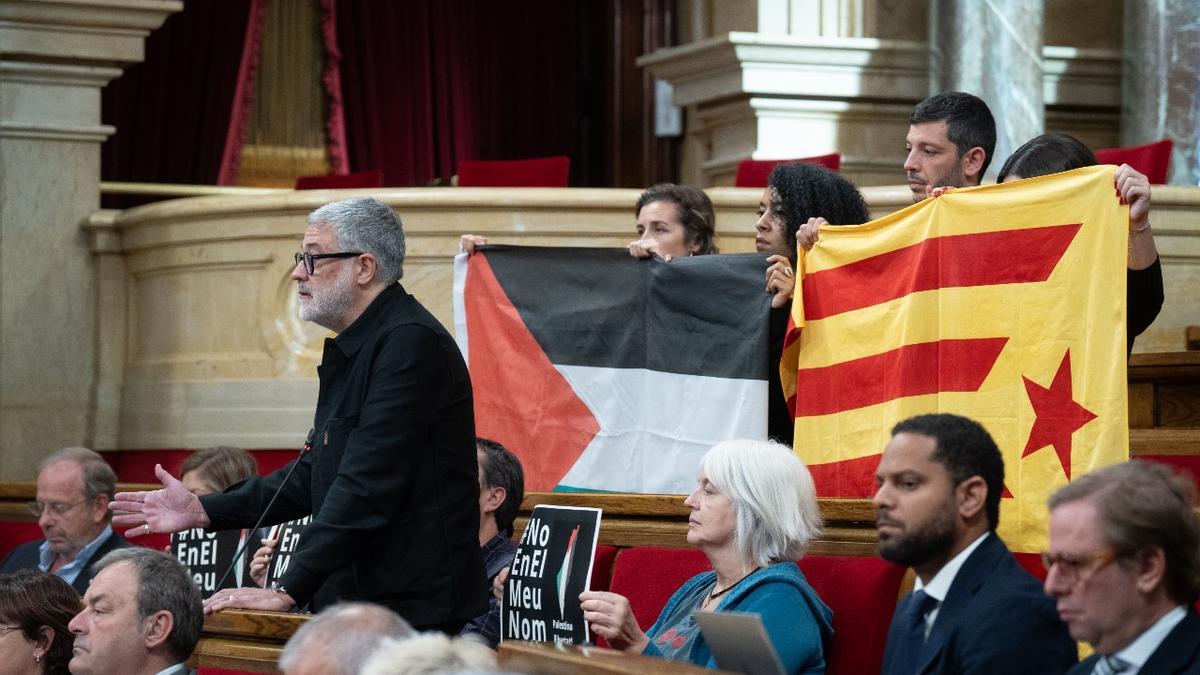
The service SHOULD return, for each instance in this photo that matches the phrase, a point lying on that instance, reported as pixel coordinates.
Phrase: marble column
(1161, 81)
(992, 49)
(55, 57)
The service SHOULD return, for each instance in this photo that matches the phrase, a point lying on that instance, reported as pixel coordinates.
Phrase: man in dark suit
(974, 610)
(1124, 568)
(391, 480)
(74, 487)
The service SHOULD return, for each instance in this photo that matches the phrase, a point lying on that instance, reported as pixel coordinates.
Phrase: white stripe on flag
(460, 305)
(655, 427)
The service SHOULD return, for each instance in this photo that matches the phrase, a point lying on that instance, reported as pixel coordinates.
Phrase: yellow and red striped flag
(1002, 303)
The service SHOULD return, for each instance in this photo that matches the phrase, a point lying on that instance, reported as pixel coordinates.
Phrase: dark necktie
(912, 634)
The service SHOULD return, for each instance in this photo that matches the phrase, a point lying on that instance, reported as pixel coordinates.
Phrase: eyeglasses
(57, 508)
(310, 259)
(1072, 569)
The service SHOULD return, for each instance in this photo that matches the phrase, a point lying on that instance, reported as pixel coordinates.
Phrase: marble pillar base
(54, 58)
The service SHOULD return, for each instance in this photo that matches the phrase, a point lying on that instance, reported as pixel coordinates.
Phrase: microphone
(307, 447)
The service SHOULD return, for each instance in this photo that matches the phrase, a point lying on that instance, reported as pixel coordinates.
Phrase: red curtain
(175, 111)
(426, 83)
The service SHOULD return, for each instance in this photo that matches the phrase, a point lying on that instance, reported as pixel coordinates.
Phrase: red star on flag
(1058, 415)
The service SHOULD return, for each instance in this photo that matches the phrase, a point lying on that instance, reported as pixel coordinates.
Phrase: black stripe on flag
(704, 315)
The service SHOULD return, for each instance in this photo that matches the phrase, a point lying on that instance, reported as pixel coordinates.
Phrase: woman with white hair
(754, 510)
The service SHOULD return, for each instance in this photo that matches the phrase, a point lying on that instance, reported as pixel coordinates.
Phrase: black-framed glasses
(310, 259)
(1074, 569)
(57, 508)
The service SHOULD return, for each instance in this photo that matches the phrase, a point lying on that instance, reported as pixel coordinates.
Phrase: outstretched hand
(171, 509)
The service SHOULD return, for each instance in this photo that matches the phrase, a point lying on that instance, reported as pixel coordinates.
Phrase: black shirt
(392, 479)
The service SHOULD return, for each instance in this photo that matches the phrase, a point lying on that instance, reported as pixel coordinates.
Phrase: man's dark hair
(810, 191)
(695, 212)
(1046, 154)
(966, 449)
(164, 584)
(969, 122)
(1142, 506)
(502, 469)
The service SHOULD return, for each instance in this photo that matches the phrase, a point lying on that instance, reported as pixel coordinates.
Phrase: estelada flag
(602, 372)
(1003, 303)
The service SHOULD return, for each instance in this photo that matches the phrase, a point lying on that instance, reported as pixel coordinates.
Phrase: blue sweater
(798, 623)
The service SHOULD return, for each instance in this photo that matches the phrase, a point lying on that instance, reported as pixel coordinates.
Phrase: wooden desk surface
(587, 660)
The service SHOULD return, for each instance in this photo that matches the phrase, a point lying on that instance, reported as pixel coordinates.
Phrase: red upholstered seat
(754, 172)
(602, 564)
(13, 533)
(370, 178)
(537, 172)
(1152, 159)
(1187, 465)
(648, 575)
(862, 592)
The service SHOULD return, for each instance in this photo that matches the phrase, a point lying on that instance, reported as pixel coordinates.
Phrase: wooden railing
(661, 520)
(1164, 405)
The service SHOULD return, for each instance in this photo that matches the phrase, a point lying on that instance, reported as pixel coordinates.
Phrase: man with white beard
(391, 479)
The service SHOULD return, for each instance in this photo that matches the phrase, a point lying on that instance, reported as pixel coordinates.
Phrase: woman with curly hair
(799, 198)
(35, 608)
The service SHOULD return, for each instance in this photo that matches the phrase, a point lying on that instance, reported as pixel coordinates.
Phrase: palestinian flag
(602, 372)
(1002, 303)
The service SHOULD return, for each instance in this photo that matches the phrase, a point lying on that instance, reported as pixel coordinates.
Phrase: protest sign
(288, 536)
(207, 555)
(552, 566)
